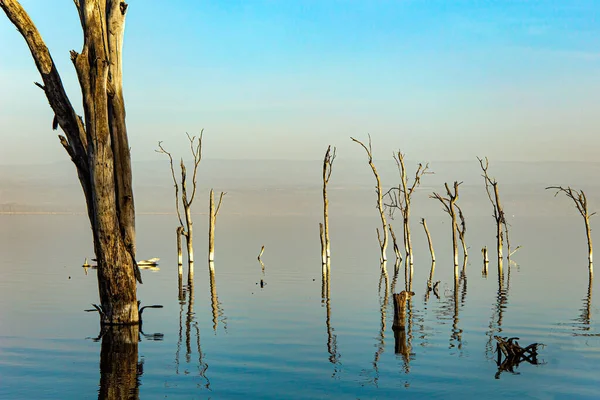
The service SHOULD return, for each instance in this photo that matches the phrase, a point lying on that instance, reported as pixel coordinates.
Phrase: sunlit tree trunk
(99, 148)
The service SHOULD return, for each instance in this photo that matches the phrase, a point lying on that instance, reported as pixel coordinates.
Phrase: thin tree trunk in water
(99, 149)
(429, 241)
(588, 231)
(383, 242)
(323, 245)
(211, 227)
(580, 200)
(395, 244)
(213, 211)
(450, 207)
(179, 251)
(327, 169)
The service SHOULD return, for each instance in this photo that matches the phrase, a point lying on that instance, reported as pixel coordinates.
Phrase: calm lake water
(228, 337)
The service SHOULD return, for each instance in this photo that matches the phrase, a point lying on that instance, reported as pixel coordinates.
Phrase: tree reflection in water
(332, 349)
(190, 323)
(582, 324)
(120, 371)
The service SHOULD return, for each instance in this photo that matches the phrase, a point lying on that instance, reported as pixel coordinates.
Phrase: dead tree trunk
(400, 198)
(179, 252)
(214, 211)
(323, 246)
(491, 185)
(449, 206)
(383, 237)
(186, 230)
(395, 244)
(327, 168)
(401, 345)
(99, 148)
(462, 230)
(578, 197)
(424, 223)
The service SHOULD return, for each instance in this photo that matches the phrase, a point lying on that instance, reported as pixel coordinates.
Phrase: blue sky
(441, 80)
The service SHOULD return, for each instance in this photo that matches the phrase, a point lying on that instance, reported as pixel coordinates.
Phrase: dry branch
(580, 200)
(383, 241)
(185, 200)
(449, 205)
(400, 199)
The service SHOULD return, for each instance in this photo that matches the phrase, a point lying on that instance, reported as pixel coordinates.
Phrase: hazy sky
(442, 80)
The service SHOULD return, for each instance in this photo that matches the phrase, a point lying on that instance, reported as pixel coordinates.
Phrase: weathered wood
(99, 149)
(395, 244)
(429, 241)
(186, 201)
(327, 169)
(491, 186)
(580, 200)
(401, 344)
(383, 241)
(400, 198)
(323, 244)
(514, 354)
(449, 204)
(213, 212)
(400, 300)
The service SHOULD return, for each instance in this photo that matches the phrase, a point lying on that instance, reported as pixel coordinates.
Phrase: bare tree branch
(162, 150)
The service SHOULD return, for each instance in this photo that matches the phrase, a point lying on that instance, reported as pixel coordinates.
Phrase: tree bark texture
(327, 168)
(99, 149)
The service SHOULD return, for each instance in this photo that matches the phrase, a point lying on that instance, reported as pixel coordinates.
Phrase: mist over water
(297, 336)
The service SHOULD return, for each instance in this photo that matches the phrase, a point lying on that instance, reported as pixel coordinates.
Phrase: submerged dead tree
(449, 204)
(491, 188)
(186, 201)
(383, 236)
(327, 168)
(400, 198)
(97, 143)
(213, 211)
(578, 197)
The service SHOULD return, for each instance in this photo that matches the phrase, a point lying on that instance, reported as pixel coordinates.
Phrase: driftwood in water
(580, 200)
(511, 354)
(383, 236)
(449, 204)
(214, 211)
(187, 229)
(327, 168)
(96, 143)
(400, 198)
